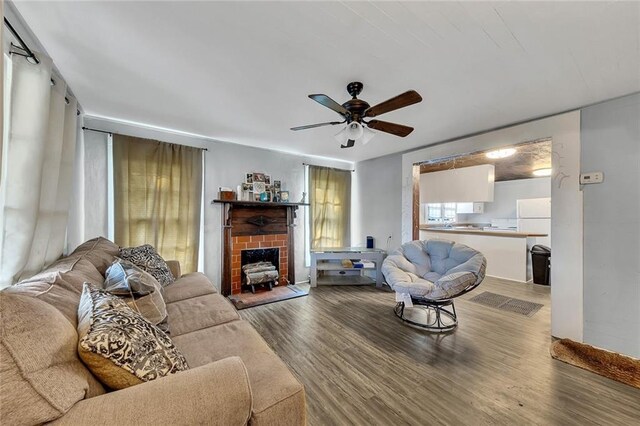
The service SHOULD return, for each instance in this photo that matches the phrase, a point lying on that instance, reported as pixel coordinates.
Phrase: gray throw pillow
(140, 290)
(123, 278)
(147, 258)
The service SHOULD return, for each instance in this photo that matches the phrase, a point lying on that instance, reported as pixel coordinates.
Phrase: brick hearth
(240, 243)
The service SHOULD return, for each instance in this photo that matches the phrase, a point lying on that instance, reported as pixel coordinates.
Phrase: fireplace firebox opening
(260, 267)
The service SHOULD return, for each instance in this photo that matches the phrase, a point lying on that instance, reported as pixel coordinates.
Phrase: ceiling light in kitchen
(501, 153)
(542, 172)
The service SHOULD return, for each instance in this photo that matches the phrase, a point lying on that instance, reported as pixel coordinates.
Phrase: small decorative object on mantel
(226, 194)
(284, 196)
(247, 194)
(303, 199)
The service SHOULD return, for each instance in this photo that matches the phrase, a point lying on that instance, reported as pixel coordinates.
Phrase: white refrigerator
(534, 216)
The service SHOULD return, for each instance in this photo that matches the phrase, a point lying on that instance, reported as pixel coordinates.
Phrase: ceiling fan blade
(311, 126)
(349, 144)
(331, 104)
(407, 98)
(393, 128)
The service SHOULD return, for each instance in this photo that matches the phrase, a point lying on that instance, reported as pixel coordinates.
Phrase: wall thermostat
(593, 177)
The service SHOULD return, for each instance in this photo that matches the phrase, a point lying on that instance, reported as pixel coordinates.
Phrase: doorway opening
(496, 201)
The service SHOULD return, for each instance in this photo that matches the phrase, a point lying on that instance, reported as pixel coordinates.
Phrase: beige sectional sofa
(234, 377)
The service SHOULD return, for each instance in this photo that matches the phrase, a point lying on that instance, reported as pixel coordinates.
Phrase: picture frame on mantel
(259, 177)
(259, 187)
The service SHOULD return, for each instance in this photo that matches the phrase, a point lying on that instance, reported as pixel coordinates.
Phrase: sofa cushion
(99, 251)
(41, 376)
(278, 397)
(196, 313)
(61, 298)
(189, 285)
(119, 346)
(70, 273)
(147, 258)
(83, 271)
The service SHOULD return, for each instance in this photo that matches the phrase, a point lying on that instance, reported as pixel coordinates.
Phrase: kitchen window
(439, 212)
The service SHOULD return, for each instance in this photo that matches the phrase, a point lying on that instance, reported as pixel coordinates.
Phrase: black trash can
(541, 264)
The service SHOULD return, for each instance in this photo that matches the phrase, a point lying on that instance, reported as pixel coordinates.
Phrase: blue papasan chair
(429, 275)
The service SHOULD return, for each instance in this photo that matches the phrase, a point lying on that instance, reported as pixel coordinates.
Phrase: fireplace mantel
(255, 224)
(264, 204)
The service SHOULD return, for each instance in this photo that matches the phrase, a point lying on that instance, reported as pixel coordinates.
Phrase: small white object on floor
(404, 297)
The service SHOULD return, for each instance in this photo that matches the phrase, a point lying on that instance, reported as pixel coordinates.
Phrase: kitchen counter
(478, 231)
(507, 252)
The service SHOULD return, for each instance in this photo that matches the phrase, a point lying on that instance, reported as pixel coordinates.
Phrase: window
(439, 212)
(330, 206)
(157, 193)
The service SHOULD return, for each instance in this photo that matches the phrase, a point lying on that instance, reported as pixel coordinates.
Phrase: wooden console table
(321, 257)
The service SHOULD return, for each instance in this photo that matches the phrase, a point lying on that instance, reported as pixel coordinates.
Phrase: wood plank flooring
(361, 365)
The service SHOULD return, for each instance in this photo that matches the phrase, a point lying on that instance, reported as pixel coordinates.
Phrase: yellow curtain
(157, 191)
(330, 199)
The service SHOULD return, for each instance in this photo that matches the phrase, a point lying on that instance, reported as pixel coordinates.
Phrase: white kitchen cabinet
(469, 208)
(466, 184)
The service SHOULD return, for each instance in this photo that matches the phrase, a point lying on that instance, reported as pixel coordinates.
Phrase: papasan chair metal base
(439, 317)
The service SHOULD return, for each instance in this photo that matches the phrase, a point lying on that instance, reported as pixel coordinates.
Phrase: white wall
(505, 195)
(377, 202)
(225, 165)
(566, 228)
(610, 136)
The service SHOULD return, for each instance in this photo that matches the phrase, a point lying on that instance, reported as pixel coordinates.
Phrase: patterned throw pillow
(118, 345)
(147, 258)
(139, 289)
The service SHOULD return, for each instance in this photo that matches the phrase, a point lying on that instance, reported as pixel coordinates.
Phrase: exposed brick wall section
(258, 241)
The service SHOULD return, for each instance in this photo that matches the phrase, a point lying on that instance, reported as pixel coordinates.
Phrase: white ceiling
(241, 71)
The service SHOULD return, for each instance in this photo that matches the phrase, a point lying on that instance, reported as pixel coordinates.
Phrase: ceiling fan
(355, 110)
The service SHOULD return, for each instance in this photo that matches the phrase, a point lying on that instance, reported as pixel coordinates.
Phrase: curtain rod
(333, 168)
(111, 133)
(28, 52)
(96, 130)
(23, 46)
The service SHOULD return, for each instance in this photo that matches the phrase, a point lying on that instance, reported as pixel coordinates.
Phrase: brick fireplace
(250, 225)
(244, 243)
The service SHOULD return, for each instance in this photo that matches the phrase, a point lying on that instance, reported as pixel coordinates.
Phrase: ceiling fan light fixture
(542, 172)
(354, 130)
(367, 135)
(342, 136)
(501, 153)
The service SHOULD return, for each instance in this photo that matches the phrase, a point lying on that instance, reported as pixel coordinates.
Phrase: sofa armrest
(213, 394)
(174, 267)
